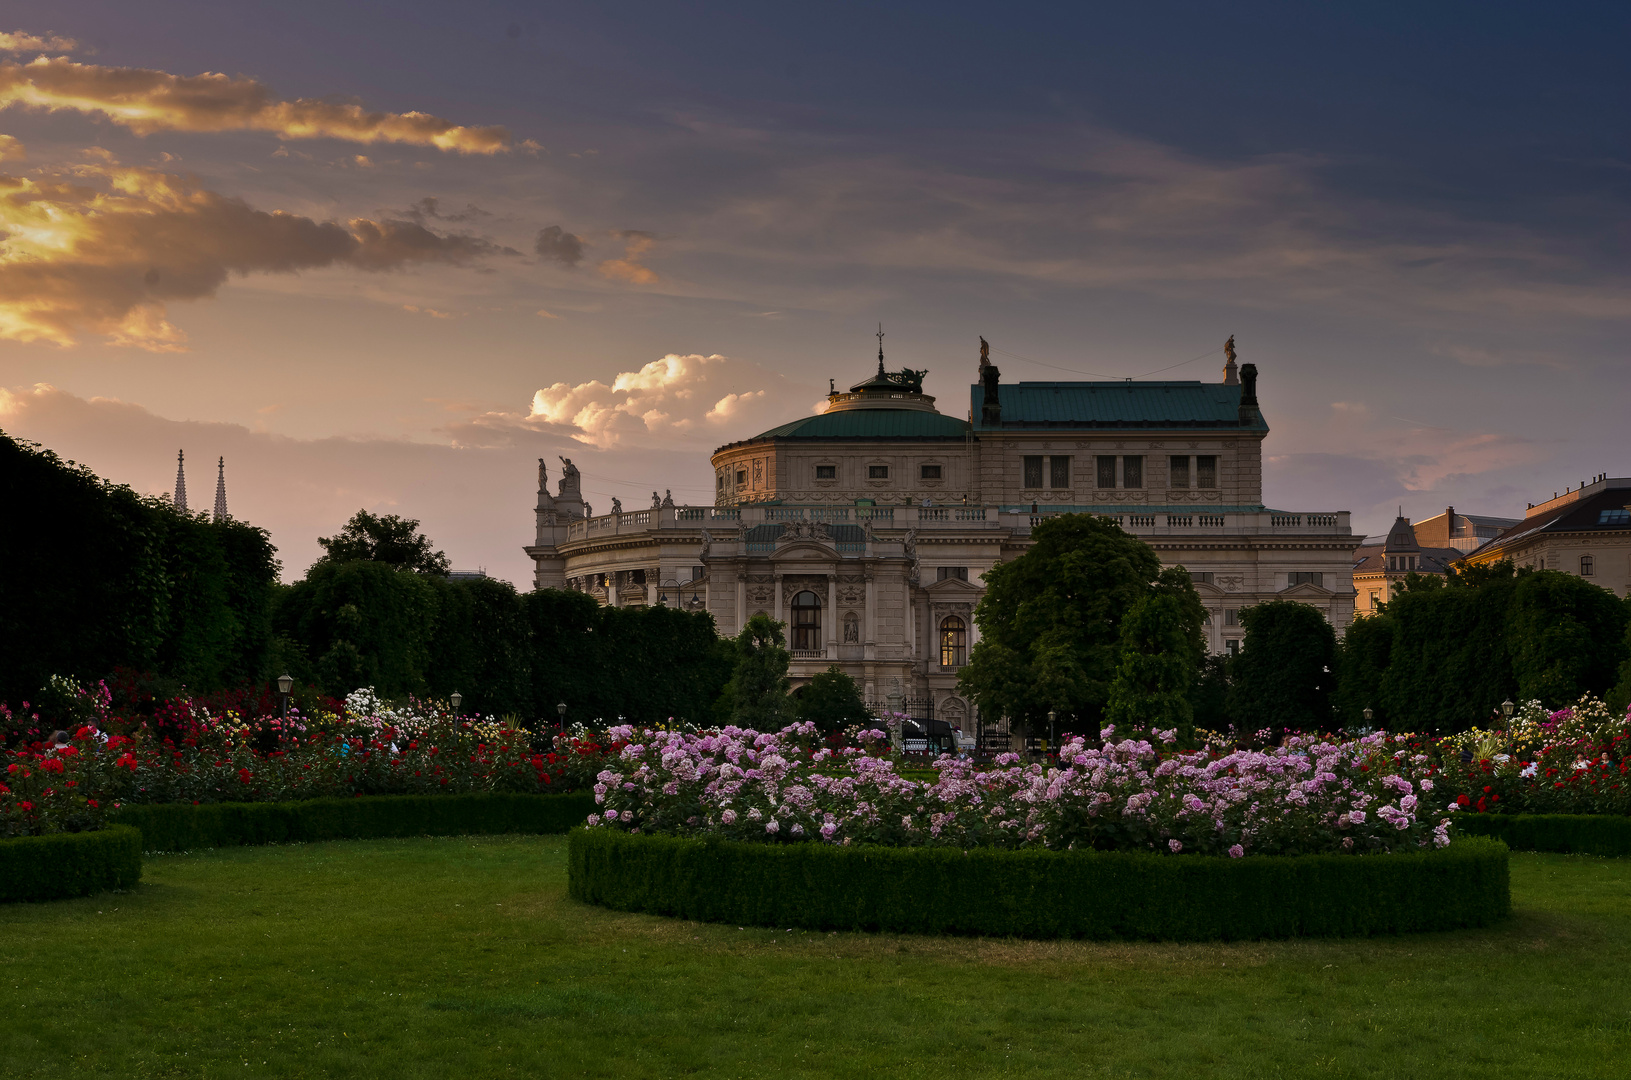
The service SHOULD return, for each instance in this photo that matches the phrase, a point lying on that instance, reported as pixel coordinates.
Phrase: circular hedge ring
(1041, 894)
(59, 865)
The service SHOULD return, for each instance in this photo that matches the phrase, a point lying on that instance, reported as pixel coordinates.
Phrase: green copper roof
(870, 424)
(1116, 405)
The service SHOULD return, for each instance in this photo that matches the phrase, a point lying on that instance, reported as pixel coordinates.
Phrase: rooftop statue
(908, 379)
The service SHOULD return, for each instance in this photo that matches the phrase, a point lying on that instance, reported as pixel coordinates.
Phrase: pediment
(952, 589)
(1306, 591)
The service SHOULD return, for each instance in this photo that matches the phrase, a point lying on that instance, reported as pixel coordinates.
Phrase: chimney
(991, 405)
(1248, 395)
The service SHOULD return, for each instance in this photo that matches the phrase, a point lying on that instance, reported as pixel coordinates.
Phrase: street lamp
(456, 699)
(1507, 707)
(561, 711)
(1369, 712)
(285, 683)
(1051, 740)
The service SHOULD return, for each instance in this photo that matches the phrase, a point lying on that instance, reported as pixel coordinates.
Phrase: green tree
(1283, 675)
(757, 691)
(1567, 637)
(1161, 648)
(361, 624)
(481, 647)
(389, 539)
(1362, 663)
(831, 701)
(1050, 622)
(1209, 694)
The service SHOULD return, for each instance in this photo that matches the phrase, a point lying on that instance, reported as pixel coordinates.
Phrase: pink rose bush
(1310, 795)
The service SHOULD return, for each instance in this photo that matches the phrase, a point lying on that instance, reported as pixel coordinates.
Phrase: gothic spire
(181, 480)
(221, 491)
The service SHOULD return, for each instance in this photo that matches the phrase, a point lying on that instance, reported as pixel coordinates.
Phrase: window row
(1123, 471)
(806, 631)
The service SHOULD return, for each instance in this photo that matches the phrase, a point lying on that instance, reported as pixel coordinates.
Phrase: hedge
(1585, 834)
(1041, 894)
(185, 826)
(60, 865)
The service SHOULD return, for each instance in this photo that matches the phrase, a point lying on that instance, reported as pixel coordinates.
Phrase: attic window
(1306, 577)
(929, 472)
(877, 472)
(1615, 517)
(826, 472)
(944, 572)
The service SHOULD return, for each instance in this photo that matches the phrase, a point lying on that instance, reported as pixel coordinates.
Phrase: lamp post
(456, 699)
(285, 683)
(1052, 739)
(560, 710)
(1369, 712)
(1506, 708)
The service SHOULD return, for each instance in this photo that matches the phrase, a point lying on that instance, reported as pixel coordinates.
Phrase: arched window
(953, 642)
(1587, 566)
(806, 622)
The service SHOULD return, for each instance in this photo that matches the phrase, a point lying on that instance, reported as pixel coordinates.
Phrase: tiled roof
(1370, 559)
(1582, 515)
(1117, 405)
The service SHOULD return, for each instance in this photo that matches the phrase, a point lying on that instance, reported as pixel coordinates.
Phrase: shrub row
(1041, 894)
(1585, 834)
(184, 827)
(60, 865)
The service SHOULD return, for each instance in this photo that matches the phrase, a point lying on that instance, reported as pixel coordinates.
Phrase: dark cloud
(560, 246)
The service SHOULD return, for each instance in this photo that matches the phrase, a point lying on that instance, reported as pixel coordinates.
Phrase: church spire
(880, 350)
(221, 491)
(181, 481)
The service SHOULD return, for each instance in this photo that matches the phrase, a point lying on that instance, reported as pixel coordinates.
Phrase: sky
(386, 256)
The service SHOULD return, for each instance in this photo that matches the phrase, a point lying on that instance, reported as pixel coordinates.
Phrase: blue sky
(1413, 218)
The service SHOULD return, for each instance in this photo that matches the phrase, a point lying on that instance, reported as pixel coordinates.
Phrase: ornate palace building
(868, 528)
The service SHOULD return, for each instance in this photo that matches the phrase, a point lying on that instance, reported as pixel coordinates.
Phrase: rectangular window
(721, 481)
(877, 472)
(1201, 577)
(929, 472)
(1231, 617)
(1612, 517)
(1059, 472)
(1033, 471)
(1180, 471)
(1107, 471)
(1232, 646)
(637, 577)
(826, 472)
(1375, 598)
(697, 572)
(1304, 577)
(943, 572)
(1206, 471)
(741, 478)
(1132, 472)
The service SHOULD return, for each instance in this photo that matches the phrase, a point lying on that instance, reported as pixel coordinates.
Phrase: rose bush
(1569, 761)
(1308, 795)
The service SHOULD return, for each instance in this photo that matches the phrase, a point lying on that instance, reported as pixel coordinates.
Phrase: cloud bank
(104, 247)
(146, 101)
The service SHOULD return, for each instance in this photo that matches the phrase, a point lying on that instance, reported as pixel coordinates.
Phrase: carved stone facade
(868, 529)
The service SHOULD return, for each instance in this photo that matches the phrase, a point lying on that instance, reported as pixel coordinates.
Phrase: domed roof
(1402, 537)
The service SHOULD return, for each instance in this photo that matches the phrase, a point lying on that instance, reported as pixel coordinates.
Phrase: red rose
(1462, 800)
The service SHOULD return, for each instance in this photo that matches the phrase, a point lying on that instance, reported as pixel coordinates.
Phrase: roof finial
(221, 491)
(880, 349)
(181, 480)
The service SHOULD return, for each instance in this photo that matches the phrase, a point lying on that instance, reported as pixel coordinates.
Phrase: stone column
(870, 651)
(832, 616)
(741, 598)
(778, 615)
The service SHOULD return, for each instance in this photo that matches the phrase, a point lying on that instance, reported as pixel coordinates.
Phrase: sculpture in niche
(852, 628)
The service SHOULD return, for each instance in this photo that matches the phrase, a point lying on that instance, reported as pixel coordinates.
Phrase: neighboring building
(1427, 547)
(467, 575)
(1586, 531)
(868, 528)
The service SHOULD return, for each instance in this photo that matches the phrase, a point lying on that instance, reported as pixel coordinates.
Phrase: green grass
(463, 958)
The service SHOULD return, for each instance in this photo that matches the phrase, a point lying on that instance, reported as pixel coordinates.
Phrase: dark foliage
(388, 539)
(1579, 834)
(1284, 674)
(184, 827)
(61, 865)
(831, 701)
(1038, 893)
(757, 692)
(108, 578)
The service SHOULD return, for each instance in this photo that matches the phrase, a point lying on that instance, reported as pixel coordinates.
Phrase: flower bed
(69, 864)
(1308, 796)
(1038, 893)
(1568, 761)
(195, 756)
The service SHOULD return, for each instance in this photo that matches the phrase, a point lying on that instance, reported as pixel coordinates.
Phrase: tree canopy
(757, 692)
(1285, 672)
(1051, 621)
(389, 539)
(831, 701)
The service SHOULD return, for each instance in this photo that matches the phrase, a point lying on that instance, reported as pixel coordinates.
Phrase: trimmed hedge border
(1041, 894)
(186, 827)
(61, 865)
(1584, 834)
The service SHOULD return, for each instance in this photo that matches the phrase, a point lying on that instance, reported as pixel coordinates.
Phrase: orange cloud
(105, 247)
(628, 268)
(20, 41)
(146, 101)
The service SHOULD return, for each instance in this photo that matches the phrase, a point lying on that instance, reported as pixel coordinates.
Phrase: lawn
(464, 958)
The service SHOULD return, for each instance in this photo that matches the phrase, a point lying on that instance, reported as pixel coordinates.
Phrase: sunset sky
(388, 255)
